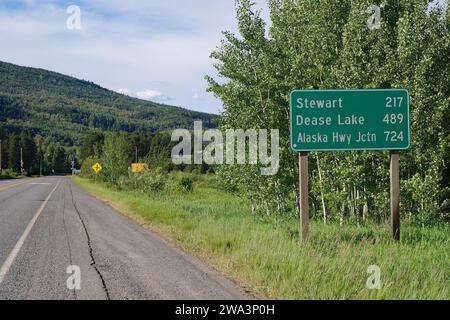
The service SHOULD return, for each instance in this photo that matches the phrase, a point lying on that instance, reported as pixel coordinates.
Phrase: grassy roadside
(8, 177)
(267, 259)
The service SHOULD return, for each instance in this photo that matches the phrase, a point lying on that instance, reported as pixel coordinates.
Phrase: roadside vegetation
(263, 254)
(8, 174)
(245, 224)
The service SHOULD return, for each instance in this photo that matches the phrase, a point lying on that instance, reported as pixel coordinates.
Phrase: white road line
(15, 251)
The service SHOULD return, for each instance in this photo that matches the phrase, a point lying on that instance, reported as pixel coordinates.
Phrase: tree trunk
(324, 208)
(366, 206)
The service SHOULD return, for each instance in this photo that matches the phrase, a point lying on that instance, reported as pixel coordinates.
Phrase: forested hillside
(64, 109)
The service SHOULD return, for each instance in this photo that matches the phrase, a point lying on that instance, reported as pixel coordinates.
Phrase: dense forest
(40, 155)
(24, 154)
(64, 109)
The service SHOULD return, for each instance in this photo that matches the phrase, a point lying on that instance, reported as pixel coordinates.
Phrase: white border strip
(291, 125)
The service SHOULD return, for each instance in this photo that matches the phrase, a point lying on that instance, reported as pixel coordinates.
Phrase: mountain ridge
(65, 108)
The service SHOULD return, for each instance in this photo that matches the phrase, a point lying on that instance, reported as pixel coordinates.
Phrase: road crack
(67, 234)
(89, 243)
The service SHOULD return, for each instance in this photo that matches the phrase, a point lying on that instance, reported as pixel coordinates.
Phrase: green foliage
(86, 167)
(149, 182)
(92, 145)
(117, 156)
(158, 151)
(186, 184)
(322, 44)
(38, 154)
(55, 159)
(116, 152)
(29, 152)
(66, 109)
(8, 174)
(14, 152)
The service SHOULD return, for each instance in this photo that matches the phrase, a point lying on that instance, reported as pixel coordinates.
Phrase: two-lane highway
(48, 225)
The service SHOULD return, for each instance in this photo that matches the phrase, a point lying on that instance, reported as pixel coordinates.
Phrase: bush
(86, 168)
(146, 182)
(186, 184)
(8, 174)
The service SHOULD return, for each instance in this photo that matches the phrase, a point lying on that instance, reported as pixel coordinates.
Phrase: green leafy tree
(117, 156)
(29, 152)
(324, 44)
(14, 152)
(56, 159)
(4, 149)
(92, 145)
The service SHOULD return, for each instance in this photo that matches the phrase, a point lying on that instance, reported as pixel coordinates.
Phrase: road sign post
(349, 120)
(303, 197)
(395, 195)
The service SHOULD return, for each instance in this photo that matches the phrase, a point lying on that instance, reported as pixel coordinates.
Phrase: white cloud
(196, 95)
(148, 94)
(124, 44)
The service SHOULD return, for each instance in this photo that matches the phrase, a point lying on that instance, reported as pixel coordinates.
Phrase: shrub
(186, 184)
(147, 182)
(8, 174)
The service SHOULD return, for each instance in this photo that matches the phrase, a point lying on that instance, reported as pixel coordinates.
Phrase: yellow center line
(15, 185)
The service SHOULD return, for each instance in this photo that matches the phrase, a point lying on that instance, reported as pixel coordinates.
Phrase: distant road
(49, 224)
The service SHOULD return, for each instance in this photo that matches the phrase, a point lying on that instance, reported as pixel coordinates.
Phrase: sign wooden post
(303, 197)
(395, 195)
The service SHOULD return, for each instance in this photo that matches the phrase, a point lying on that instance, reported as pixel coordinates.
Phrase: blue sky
(153, 49)
(156, 50)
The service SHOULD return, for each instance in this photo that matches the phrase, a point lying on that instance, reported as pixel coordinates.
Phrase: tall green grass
(264, 255)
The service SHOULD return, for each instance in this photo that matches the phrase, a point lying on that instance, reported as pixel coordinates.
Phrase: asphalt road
(49, 224)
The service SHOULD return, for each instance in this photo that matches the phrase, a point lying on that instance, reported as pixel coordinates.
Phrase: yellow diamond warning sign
(97, 168)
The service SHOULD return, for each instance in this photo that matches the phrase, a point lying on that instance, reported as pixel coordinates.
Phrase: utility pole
(40, 161)
(137, 160)
(72, 164)
(21, 162)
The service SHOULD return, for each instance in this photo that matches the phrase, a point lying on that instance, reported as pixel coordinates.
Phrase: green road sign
(338, 120)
